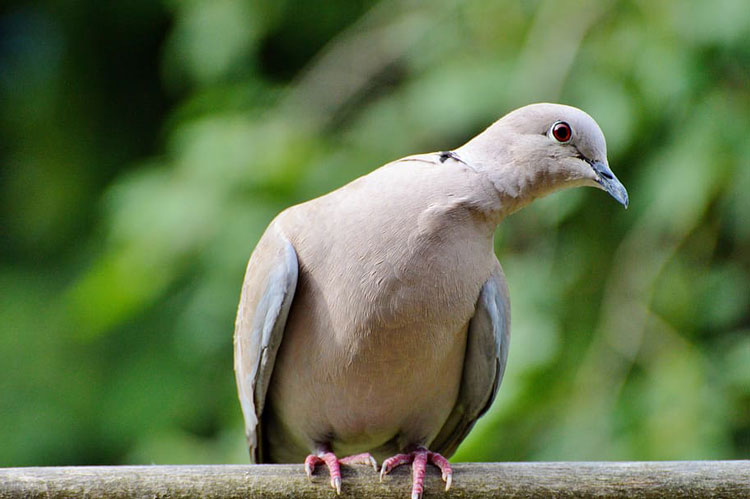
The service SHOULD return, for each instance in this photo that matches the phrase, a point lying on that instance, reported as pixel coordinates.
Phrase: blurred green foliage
(146, 145)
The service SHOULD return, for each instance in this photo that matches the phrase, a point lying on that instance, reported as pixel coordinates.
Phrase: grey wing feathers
(267, 294)
(488, 337)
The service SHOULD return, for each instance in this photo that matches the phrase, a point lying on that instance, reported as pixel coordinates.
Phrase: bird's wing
(486, 355)
(267, 293)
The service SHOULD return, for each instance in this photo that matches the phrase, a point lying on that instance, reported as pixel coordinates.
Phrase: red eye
(561, 131)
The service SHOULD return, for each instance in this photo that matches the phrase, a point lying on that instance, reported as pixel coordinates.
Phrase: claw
(419, 458)
(325, 456)
(310, 466)
(336, 484)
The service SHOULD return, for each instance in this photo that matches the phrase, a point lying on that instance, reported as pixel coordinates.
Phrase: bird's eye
(561, 131)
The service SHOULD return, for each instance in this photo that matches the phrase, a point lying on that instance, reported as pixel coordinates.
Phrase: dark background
(145, 145)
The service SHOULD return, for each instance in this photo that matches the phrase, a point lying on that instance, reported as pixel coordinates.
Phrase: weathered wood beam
(521, 480)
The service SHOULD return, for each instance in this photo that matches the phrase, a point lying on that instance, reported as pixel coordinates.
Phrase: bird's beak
(609, 182)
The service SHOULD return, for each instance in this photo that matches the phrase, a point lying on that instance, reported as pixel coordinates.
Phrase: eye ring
(561, 132)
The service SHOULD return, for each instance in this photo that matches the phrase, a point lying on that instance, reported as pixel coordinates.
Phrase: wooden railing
(729, 479)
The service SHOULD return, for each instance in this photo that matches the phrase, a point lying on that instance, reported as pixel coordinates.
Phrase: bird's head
(541, 148)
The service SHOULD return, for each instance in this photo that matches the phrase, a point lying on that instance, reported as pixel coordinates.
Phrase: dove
(374, 321)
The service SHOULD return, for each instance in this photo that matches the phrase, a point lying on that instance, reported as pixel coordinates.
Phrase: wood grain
(521, 480)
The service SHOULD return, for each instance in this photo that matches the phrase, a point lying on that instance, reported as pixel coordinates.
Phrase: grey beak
(609, 182)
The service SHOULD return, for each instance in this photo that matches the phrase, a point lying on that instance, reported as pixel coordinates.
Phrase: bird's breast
(375, 340)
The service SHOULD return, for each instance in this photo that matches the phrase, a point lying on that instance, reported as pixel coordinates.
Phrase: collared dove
(375, 320)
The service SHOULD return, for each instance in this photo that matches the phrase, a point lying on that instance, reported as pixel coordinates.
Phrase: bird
(374, 321)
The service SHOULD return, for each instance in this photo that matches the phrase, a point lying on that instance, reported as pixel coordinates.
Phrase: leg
(419, 459)
(332, 462)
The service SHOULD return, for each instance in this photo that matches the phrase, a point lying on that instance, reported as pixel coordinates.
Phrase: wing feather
(267, 294)
(488, 337)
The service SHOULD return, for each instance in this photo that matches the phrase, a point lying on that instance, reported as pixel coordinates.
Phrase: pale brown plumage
(376, 318)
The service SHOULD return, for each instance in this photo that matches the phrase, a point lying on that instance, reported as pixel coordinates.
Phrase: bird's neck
(516, 180)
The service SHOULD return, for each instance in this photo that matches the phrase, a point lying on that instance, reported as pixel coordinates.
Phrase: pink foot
(419, 458)
(330, 459)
